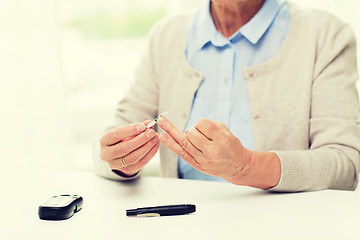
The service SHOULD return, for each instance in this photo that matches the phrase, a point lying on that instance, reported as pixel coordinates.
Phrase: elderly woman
(259, 93)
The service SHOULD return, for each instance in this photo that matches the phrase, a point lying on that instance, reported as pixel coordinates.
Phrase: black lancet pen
(158, 211)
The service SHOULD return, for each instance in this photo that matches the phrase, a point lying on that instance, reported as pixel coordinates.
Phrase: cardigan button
(251, 74)
(256, 116)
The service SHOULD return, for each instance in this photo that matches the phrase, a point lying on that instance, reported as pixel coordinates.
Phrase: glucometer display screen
(57, 201)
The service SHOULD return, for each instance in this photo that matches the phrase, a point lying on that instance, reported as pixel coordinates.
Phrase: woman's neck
(229, 16)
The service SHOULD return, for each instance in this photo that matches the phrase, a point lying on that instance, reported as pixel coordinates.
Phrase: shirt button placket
(225, 86)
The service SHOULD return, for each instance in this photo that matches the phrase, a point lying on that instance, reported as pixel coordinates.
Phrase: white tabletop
(224, 211)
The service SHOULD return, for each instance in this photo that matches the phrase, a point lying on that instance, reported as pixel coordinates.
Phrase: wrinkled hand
(209, 147)
(129, 148)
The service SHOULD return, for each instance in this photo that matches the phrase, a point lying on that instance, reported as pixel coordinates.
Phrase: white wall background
(33, 123)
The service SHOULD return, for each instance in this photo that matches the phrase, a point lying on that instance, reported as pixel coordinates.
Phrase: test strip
(153, 122)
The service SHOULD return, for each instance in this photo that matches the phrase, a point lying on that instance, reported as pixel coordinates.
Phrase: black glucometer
(60, 207)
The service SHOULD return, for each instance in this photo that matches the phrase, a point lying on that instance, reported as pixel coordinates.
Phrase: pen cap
(131, 212)
(178, 209)
(190, 208)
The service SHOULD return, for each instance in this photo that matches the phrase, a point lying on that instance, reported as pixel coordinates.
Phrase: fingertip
(157, 144)
(162, 121)
(150, 133)
(155, 139)
(146, 122)
(140, 127)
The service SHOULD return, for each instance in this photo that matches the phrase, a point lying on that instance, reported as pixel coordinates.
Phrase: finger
(123, 148)
(116, 135)
(175, 147)
(207, 127)
(140, 164)
(139, 153)
(168, 127)
(145, 123)
(131, 169)
(179, 137)
(198, 140)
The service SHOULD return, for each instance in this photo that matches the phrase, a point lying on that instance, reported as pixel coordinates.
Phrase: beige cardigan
(303, 102)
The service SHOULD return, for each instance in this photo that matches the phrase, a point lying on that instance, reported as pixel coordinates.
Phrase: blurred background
(64, 65)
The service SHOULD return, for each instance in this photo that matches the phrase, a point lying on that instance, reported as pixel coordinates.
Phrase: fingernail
(150, 134)
(155, 139)
(140, 127)
(161, 122)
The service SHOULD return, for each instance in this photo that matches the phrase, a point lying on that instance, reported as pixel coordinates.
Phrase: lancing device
(168, 210)
(153, 122)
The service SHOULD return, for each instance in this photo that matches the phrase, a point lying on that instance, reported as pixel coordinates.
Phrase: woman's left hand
(210, 148)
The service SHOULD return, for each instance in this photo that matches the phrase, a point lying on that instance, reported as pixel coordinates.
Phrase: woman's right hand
(129, 148)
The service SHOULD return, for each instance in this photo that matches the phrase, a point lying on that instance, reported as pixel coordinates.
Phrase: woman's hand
(129, 148)
(211, 148)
